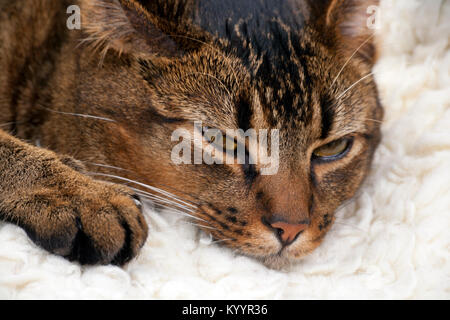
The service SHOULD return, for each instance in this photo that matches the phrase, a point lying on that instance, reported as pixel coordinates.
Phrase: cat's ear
(353, 22)
(126, 27)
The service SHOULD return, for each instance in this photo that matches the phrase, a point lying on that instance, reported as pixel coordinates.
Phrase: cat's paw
(92, 223)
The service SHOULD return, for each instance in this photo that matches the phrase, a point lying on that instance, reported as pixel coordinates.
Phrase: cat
(87, 116)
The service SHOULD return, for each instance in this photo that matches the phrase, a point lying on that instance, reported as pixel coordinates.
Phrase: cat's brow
(349, 59)
(339, 117)
(354, 84)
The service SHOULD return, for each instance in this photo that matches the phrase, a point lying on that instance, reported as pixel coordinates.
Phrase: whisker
(354, 84)
(106, 166)
(214, 239)
(193, 204)
(162, 200)
(351, 226)
(176, 210)
(221, 240)
(174, 199)
(349, 59)
(213, 77)
(181, 213)
(80, 115)
(200, 225)
(156, 198)
(142, 185)
(342, 102)
(373, 120)
(6, 124)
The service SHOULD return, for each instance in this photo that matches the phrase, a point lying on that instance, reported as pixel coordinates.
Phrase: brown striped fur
(144, 69)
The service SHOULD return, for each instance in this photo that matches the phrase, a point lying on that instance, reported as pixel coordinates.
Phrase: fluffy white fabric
(392, 242)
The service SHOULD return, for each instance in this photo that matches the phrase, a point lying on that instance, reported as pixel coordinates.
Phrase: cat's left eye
(229, 144)
(333, 150)
(223, 142)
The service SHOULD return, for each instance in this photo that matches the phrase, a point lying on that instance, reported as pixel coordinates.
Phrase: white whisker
(80, 115)
(200, 225)
(213, 77)
(354, 84)
(181, 213)
(155, 197)
(143, 185)
(163, 200)
(373, 120)
(221, 240)
(159, 203)
(349, 59)
(350, 226)
(106, 166)
(6, 124)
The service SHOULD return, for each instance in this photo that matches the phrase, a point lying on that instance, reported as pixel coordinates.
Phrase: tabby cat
(88, 114)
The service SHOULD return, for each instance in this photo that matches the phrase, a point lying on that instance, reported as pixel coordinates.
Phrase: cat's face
(327, 118)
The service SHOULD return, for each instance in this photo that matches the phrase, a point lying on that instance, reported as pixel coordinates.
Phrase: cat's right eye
(333, 150)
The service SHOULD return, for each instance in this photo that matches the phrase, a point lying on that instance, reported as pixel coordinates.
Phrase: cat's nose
(288, 232)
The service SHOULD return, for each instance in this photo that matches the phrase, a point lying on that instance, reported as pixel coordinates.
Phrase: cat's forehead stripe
(327, 115)
(265, 36)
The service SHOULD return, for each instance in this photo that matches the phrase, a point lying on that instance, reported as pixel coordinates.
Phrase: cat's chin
(279, 261)
(287, 258)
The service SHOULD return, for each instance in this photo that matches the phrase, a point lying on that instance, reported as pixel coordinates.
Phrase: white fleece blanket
(392, 242)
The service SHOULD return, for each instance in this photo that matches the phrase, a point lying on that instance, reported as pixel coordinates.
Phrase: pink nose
(288, 232)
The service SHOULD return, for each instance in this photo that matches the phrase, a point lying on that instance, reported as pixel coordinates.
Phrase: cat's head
(312, 84)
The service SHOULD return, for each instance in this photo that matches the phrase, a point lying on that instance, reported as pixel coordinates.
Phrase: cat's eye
(333, 150)
(222, 142)
(229, 144)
